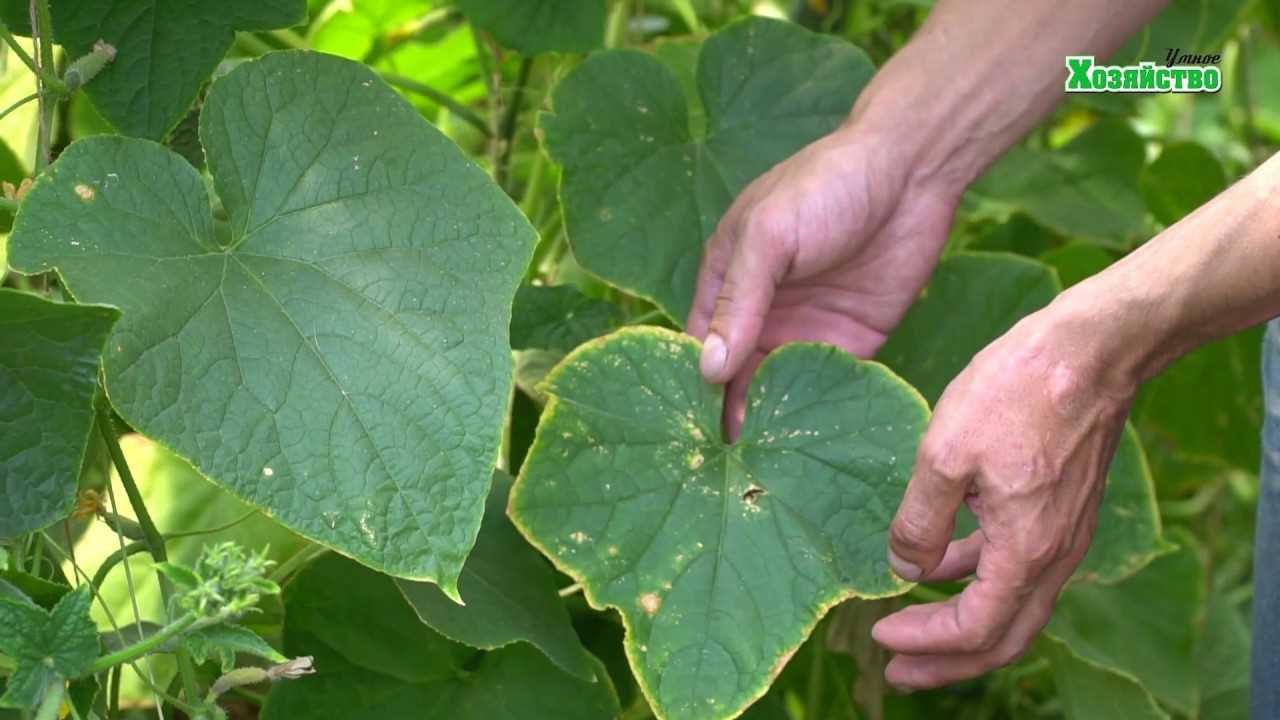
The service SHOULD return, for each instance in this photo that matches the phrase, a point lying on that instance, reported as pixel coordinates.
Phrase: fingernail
(714, 357)
(904, 569)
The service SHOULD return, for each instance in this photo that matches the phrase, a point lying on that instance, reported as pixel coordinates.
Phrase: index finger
(972, 622)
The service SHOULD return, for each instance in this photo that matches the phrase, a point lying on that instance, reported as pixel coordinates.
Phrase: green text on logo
(1086, 77)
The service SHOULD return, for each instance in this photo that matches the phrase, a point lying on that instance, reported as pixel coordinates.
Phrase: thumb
(760, 259)
(926, 519)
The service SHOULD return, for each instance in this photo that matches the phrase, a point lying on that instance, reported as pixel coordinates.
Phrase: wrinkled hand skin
(1025, 436)
(832, 245)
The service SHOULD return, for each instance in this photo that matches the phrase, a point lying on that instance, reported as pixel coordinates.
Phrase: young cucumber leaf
(48, 376)
(720, 558)
(374, 659)
(510, 595)
(49, 647)
(165, 50)
(537, 26)
(338, 355)
(975, 298)
(642, 190)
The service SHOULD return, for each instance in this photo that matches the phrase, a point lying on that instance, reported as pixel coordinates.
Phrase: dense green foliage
(341, 373)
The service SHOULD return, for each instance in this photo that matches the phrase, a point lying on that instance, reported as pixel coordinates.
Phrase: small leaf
(166, 50)
(181, 576)
(538, 26)
(338, 352)
(720, 558)
(559, 318)
(374, 659)
(510, 595)
(643, 229)
(224, 641)
(49, 647)
(48, 377)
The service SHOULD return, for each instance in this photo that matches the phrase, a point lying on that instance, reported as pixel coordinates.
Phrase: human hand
(1025, 435)
(831, 245)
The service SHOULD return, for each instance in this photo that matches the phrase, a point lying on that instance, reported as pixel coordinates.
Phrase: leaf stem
(289, 38)
(51, 705)
(462, 112)
(143, 646)
(42, 34)
(570, 590)
(107, 565)
(295, 561)
(253, 45)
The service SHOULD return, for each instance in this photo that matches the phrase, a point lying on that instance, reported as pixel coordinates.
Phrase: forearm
(980, 74)
(1214, 273)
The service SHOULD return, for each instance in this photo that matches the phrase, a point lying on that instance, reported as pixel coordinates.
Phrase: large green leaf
(1184, 177)
(1222, 663)
(1191, 26)
(166, 49)
(720, 558)
(1076, 261)
(972, 299)
(643, 190)
(535, 26)
(337, 352)
(510, 595)
(1209, 402)
(48, 375)
(1092, 692)
(49, 647)
(1088, 188)
(559, 318)
(374, 660)
(975, 298)
(1145, 627)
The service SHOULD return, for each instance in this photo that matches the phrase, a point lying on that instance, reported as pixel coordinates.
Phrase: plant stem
(253, 45)
(51, 706)
(154, 541)
(27, 60)
(510, 120)
(144, 646)
(462, 112)
(42, 33)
